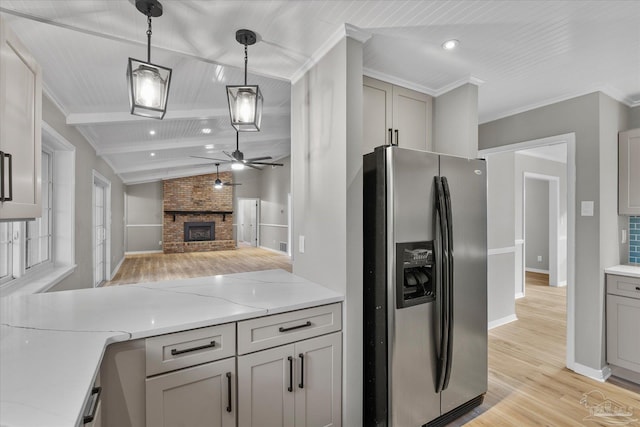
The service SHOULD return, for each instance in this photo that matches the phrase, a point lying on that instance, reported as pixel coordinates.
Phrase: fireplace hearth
(199, 231)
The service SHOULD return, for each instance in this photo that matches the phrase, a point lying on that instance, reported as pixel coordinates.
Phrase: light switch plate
(586, 208)
(301, 244)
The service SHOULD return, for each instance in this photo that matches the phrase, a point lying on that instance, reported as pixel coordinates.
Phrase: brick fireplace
(197, 217)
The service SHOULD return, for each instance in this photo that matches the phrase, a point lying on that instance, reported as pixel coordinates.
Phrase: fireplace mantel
(174, 213)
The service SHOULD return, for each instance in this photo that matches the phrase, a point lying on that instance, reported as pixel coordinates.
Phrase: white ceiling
(523, 54)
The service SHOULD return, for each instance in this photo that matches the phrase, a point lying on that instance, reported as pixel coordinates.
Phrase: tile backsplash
(634, 239)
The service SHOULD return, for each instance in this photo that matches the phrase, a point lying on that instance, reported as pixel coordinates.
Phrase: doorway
(569, 141)
(248, 227)
(101, 230)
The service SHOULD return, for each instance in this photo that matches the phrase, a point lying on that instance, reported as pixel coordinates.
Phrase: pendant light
(148, 83)
(245, 102)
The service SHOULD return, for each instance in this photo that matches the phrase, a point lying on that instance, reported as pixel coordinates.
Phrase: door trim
(99, 179)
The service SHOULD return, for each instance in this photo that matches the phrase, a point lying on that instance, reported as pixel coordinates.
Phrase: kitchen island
(52, 344)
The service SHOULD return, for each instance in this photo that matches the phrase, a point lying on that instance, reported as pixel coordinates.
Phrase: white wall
(326, 158)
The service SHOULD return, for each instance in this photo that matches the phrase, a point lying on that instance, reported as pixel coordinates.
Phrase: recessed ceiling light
(450, 44)
(208, 146)
(152, 132)
(152, 154)
(206, 131)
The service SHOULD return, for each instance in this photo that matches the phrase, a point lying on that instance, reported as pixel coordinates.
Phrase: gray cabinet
(293, 385)
(629, 172)
(290, 369)
(623, 319)
(202, 395)
(20, 132)
(395, 115)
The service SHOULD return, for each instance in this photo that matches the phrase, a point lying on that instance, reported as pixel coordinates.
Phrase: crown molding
(47, 91)
(606, 89)
(451, 86)
(346, 30)
(398, 81)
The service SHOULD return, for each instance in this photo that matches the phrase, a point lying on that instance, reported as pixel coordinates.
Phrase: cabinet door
(20, 133)
(376, 113)
(411, 119)
(200, 396)
(623, 340)
(629, 172)
(266, 388)
(318, 385)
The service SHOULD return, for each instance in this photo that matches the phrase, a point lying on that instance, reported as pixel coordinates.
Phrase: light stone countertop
(624, 270)
(51, 344)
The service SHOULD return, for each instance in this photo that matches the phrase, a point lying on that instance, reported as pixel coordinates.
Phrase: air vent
(283, 246)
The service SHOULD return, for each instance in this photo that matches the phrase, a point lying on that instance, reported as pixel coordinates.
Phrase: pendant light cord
(246, 59)
(149, 38)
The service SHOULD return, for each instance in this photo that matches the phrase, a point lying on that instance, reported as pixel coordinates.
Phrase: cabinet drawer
(623, 285)
(176, 351)
(279, 329)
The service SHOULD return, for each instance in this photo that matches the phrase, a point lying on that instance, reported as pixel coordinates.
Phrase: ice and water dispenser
(415, 273)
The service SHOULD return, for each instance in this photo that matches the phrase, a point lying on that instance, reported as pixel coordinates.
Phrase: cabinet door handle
(175, 352)
(94, 405)
(637, 288)
(301, 356)
(4, 198)
(229, 391)
(397, 138)
(390, 136)
(304, 325)
(290, 388)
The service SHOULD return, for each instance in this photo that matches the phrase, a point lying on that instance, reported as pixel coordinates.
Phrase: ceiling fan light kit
(245, 102)
(148, 83)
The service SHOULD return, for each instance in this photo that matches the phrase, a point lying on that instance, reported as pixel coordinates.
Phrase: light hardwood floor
(528, 382)
(156, 267)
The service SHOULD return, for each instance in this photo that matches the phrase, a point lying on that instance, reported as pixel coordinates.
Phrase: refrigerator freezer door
(412, 346)
(468, 189)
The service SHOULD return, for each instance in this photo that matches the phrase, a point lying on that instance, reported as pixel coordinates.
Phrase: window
(38, 234)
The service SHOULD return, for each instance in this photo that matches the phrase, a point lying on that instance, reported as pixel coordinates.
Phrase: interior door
(99, 223)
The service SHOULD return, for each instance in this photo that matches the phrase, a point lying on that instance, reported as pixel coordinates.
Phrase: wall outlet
(539, 258)
(160, 242)
(623, 238)
(301, 244)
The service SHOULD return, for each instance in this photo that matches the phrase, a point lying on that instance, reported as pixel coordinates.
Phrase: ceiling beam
(172, 144)
(79, 119)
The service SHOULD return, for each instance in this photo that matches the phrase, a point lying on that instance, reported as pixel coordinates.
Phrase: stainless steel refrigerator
(425, 287)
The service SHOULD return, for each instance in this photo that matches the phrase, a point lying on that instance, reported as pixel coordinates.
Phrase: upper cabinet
(629, 172)
(20, 129)
(394, 115)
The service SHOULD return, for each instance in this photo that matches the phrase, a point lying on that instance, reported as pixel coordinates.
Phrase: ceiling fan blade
(229, 155)
(265, 163)
(255, 159)
(229, 184)
(210, 158)
(251, 166)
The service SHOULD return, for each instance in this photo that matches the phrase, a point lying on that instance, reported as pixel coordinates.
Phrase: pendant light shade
(148, 83)
(245, 102)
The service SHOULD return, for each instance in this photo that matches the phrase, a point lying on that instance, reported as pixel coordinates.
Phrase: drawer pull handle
(229, 391)
(175, 352)
(301, 356)
(290, 388)
(637, 288)
(94, 405)
(304, 325)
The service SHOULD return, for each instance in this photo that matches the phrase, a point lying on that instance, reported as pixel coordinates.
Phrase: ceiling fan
(218, 184)
(237, 160)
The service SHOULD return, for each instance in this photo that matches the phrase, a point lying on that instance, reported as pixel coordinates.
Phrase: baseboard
(503, 321)
(272, 250)
(625, 374)
(560, 284)
(600, 375)
(143, 252)
(115, 270)
(536, 270)
(520, 295)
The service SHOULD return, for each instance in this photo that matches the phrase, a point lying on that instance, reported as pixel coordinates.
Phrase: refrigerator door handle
(449, 285)
(442, 293)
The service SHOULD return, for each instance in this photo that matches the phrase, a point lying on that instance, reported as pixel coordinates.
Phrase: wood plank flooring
(155, 267)
(528, 382)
